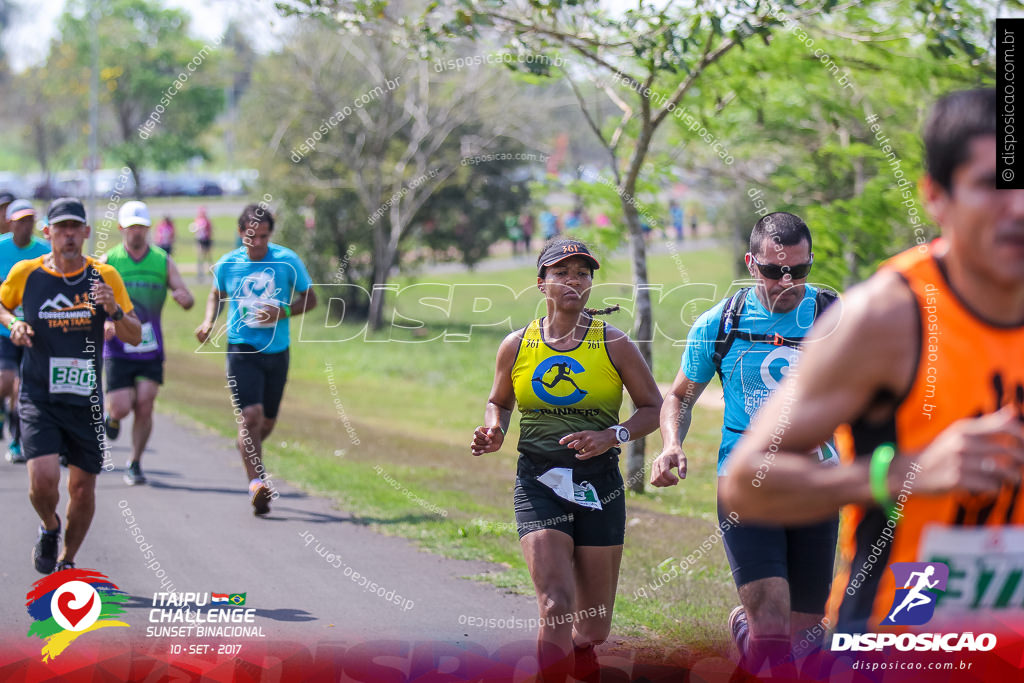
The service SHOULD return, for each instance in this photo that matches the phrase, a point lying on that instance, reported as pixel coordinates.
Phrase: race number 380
(72, 376)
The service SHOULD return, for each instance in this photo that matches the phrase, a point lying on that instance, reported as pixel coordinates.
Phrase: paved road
(197, 518)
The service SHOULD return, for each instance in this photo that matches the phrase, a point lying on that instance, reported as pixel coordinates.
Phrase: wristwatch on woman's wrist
(621, 433)
(117, 315)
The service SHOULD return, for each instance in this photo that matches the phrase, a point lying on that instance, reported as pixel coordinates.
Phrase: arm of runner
(643, 391)
(110, 293)
(11, 292)
(676, 412)
(304, 301)
(179, 290)
(213, 306)
(488, 437)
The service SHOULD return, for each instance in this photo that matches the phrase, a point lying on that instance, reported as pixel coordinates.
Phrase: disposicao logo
(69, 604)
(917, 587)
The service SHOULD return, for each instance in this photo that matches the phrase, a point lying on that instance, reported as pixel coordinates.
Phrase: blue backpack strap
(727, 328)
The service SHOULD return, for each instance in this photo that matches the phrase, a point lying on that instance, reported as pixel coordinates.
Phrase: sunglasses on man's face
(773, 271)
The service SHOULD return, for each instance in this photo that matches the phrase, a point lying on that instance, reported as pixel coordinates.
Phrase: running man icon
(562, 374)
(919, 588)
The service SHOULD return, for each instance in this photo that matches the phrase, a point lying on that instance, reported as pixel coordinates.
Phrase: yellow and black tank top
(966, 367)
(560, 392)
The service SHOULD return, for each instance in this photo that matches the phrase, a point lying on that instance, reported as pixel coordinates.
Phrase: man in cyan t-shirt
(752, 340)
(263, 284)
(19, 244)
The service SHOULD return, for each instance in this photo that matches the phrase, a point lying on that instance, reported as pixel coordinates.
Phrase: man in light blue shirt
(19, 244)
(752, 340)
(263, 284)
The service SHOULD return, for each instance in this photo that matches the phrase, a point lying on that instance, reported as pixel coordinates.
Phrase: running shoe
(260, 496)
(44, 554)
(739, 628)
(134, 476)
(113, 428)
(64, 564)
(14, 454)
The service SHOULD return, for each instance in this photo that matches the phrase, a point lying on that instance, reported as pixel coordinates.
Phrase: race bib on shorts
(559, 480)
(72, 376)
(986, 567)
(148, 342)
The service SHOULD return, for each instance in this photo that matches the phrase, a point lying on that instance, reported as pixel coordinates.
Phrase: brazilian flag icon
(237, 598)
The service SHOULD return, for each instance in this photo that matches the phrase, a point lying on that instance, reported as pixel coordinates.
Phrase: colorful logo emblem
(918, 585)
(553, 380)
(70, 603)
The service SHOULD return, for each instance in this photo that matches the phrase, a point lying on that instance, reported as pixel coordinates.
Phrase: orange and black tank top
(966, 367)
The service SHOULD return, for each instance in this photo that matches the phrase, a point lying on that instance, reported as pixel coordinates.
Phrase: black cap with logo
(563, 249)
(65, 209)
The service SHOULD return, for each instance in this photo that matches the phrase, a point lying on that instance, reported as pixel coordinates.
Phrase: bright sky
(35, 25)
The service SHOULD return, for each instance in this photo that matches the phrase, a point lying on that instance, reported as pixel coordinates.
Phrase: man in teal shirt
(17, 245)
(752, 340)
(263, 284)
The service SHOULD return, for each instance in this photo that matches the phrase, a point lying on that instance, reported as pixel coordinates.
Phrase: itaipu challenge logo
(69, 604)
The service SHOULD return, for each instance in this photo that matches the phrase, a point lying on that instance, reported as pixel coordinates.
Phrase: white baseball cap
(133, 213)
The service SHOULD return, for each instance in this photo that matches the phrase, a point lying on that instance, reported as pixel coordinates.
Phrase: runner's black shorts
(205, 244)
(259, 378)
(803, 555)
(538, 507)
(121, 373)
(76, 431)
(10, 354)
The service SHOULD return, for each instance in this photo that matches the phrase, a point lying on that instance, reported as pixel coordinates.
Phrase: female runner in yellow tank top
(566, 372)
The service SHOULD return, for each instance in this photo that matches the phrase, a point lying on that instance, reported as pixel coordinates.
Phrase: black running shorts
(803, 555)
(259, 378)
(121, 373)
(10, 354)
(538, 507)
(76, 431)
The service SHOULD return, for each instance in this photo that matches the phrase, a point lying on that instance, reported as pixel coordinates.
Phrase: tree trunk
(642, 336)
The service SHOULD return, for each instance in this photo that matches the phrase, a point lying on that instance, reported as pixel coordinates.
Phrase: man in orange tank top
(923, 364)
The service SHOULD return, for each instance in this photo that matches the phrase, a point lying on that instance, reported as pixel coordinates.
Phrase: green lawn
(406, 401)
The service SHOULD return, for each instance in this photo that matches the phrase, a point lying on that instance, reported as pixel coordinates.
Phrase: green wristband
(287, 310)
(10, 325)
(878, 476)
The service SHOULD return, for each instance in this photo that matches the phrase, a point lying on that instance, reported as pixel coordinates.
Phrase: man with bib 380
(67, 297)
(135, 372)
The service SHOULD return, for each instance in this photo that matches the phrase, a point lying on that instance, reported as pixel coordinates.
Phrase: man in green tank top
(135, 372)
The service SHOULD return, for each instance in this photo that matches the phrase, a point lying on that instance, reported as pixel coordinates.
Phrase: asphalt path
(302, 567)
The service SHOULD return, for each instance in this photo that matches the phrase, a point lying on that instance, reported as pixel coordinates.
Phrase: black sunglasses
(777, 272)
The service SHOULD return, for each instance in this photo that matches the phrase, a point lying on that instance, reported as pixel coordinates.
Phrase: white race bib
(72, 376)
(986, 567)
(148, 342)
(559, 480)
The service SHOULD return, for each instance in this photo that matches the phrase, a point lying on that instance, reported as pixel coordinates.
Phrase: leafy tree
(158, 86)
(357, 118)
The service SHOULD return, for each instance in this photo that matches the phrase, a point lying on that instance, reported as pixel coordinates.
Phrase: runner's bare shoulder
(874, 329)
